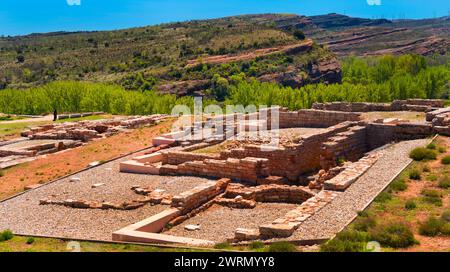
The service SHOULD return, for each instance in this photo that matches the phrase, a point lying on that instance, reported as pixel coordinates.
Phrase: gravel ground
(219, 223)
(339, 213)
(24, 215)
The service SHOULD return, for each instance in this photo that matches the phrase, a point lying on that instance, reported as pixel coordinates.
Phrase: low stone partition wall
(381, 134)
(352, 107)
(351, 173)
(315, 118)
(194, 198)
(286, 225)
(348, 145)
(179, 157)
(246, 169)
(270, 193)
(421, 105)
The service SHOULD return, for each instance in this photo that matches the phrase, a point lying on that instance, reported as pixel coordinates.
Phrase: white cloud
(74, 2)
(374, 2)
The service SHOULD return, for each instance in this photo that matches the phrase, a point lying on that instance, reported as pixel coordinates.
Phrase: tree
(299, 34)
(20, 58)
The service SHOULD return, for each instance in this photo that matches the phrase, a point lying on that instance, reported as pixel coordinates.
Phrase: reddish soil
(427, 244)
(50, 167)
(307, 44)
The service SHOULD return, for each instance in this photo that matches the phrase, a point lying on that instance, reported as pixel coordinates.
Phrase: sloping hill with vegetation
(194, 57)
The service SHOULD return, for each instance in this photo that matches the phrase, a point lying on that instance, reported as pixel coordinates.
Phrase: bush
(431, 146)
(432, 196)
(395, 235)
(6, 235)
(431, 227)
(442, 149)
(398, 185)
(426, 168)
(282, 247)
(420, 154)
(410, 205)
(445, 160)
(2, 173)
(347, 241)
(30, 241)
(444, 182)
(446, 216)
(364, 223)
(432, 177)
(383, 197)
(415, 174)
(256, 245)
(445, 230)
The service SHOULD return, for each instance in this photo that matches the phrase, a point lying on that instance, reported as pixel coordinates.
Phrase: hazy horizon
(27, 16)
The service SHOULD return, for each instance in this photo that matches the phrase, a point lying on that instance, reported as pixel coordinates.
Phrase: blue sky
(18, 17)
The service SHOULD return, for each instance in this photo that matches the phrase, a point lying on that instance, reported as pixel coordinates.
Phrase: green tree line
(381, 79)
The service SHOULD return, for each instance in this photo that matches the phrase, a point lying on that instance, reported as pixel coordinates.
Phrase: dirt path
(52, 166)
(47, 118)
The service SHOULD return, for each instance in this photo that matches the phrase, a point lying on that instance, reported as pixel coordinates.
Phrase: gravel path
(24, 215)
(219, 223)
(340, 212)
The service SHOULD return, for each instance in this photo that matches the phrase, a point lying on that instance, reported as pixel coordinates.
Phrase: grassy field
(412, 214)
(12, 130)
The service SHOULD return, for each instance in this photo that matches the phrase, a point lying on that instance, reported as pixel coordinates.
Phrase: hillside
(194, 57)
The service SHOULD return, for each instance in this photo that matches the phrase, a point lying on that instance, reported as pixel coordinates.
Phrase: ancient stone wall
(349, 145)
(381, 134)
(422, 105)
(315, 118)
(246, 169)
(270, 193)
(294, 160)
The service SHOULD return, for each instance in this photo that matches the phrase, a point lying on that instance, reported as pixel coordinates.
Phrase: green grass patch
(444, 182)
(415, 174)
(395, 235)
(445, 160)
(6, 235)
(347, 241)
(421, 154)
(410, 205)
(431, 227)
(282, 247)
(398, 185)
(383, 197)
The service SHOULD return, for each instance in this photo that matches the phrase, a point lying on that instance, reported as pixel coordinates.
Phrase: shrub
(383, 197)
(420, 154)
(444, 182)
(398, 185)
(347, 241)
(432, 177)
(364, 223)
(431, 227)
(415, 174)
(395, 235)
(2, 173)
(410, 205)
(431, 146)
(6, 235)
(30, 241)
(426, 168)
(256, 245)
(432, 196)
(446, 216)
(442, 149)
(445, 160)
(445, 229)
(282, 247)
